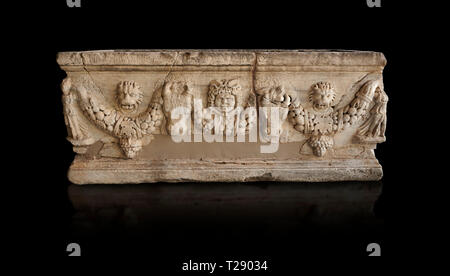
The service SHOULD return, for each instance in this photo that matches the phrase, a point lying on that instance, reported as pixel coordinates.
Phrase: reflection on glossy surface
(225, 215)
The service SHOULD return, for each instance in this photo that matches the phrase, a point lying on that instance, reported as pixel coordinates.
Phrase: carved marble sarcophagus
(136, 116)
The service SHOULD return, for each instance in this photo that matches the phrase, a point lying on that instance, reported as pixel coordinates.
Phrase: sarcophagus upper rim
(222, 58)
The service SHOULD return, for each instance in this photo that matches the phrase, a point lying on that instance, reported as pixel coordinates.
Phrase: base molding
(112, 171)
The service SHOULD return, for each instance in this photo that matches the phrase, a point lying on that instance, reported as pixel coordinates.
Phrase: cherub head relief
(129, 96)
(322, 95)
(223, 94)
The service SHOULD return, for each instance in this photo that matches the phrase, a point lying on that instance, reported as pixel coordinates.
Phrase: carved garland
(120, 121)
(320, 122)
(323, 120)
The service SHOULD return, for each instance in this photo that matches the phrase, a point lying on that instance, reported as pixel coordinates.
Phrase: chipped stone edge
(221, 58)
(135, 172)
(129, 176)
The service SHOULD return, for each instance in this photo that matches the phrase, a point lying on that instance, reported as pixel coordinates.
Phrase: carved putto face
(129, 96)
(322, 95)
(223, 94)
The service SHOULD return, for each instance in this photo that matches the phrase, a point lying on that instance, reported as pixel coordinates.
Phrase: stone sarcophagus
(136, 116)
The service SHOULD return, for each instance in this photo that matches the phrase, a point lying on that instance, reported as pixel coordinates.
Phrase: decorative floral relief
(319, 119)
(275, 96)
(122, 122)
(323, 120)
(320, 144)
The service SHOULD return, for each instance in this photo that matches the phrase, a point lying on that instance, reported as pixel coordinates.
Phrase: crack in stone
(171, 66)
(254, 73)
(254, 87)
(254, 80)
(89, 74)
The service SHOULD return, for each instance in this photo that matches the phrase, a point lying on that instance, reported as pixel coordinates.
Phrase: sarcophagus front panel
(223, 115)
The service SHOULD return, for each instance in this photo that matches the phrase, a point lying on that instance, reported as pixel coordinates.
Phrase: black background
(395, 29)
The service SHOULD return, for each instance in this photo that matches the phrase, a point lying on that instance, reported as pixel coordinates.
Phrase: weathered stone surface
(138, 116)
